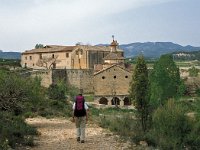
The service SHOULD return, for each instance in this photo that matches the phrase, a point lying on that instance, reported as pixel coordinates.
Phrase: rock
(143, 143)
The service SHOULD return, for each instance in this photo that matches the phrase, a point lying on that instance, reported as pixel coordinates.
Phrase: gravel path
(59, 134)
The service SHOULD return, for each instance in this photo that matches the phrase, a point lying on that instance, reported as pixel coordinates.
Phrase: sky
(25, 23)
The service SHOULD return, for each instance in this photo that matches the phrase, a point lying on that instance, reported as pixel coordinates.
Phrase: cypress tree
(139, 91)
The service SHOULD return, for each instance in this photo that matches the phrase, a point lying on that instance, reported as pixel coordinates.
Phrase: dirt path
(59, 134)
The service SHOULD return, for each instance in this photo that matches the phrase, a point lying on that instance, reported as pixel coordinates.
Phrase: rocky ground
(59, 134)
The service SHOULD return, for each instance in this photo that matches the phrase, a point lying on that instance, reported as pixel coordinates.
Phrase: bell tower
(114, 44)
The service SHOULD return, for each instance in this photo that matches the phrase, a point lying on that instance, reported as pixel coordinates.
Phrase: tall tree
(164, 80)
(139, 91)
(39, 46)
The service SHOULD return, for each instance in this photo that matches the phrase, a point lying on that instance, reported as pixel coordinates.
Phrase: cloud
(31, 21)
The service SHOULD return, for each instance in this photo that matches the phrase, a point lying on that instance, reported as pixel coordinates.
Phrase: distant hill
(154, 49)
(149, 49)
(10, 55)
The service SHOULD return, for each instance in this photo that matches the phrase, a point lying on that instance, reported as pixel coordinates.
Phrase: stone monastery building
(93, 69)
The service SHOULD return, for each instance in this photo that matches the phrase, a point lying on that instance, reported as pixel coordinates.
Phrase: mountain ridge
(148, 49)
(154, 49)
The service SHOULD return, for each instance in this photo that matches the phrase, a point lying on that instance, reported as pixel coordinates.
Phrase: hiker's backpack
(79, 106)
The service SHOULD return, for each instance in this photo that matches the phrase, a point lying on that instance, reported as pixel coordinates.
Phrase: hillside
(154, 49)
(149, 49)
(10, 55)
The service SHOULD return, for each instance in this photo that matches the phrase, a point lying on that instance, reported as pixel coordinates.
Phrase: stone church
(99, 70)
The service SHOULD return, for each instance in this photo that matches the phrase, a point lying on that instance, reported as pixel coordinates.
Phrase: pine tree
(139, 91)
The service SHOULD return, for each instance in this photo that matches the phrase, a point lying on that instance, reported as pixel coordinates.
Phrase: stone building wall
(114, 80)
(80, 78)
(45, 75)
(111, 86)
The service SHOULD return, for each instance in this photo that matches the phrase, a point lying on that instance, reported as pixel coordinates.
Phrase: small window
(33, 64)
(126, 76)
(103, 77)
(81, 52)
(67, 55)
(115, 77)
(53, 56)
(30, 57)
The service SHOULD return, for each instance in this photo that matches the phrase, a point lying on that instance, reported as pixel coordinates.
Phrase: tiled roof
(117, 65)
(58, 48)
(50, 49)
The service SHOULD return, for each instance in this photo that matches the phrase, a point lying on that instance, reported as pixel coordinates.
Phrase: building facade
(94, 69)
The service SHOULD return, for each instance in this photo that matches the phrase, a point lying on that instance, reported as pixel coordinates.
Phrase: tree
(39, 46)
(193, 72)
(139, 90)
(48, 62)
(171, 128)
(164, 81)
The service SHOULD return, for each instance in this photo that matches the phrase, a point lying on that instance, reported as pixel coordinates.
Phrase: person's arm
(73, 107)
(87, 111)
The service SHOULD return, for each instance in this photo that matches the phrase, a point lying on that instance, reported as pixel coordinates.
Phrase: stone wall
(112, 81)
(45, 75)
(80, 78)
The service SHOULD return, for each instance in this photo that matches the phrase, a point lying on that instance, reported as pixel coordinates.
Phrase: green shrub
(170, 127)
(120, 123)
(193, 72)
(14, 131)
(55, 93)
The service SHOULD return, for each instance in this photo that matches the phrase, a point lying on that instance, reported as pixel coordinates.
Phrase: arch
(115, 101)
(127, 101)
(103, 100)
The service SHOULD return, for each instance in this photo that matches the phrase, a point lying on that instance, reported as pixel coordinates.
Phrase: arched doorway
(115, 101)
(103, 100)
(127, 101)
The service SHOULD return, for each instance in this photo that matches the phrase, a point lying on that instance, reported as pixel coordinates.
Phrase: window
(126, 76)
(30, 57)
(115, 77)
(52, 55)
(67, 55)
(81, 52)
(103, 77)
(33, 64)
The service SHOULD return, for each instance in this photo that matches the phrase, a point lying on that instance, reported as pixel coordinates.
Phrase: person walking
(80, 117)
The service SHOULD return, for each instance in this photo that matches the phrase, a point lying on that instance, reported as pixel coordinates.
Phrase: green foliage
(115, 120)
(164, 81)
(39, 46)
(171, 126)
(193, 72)
(72, 92)
(14, 130)
(139, 91)
(57, 91)
(10, 62)
(181, 88)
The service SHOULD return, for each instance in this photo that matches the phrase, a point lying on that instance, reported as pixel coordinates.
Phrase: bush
(118, 121)
(14, 131)
(57, 91)
(170, 127)
(193, 72)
